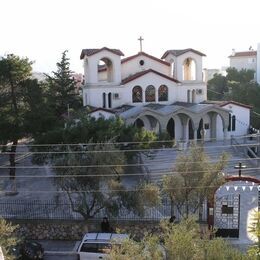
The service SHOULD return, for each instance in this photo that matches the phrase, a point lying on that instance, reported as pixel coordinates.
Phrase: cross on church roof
(140, 39)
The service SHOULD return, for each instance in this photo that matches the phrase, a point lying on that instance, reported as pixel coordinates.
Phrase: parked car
(28, 250)
(96, 246)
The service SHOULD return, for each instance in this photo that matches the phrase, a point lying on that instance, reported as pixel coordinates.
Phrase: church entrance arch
(139, 123)
(149, 122)
(105, 70)
(171, 128)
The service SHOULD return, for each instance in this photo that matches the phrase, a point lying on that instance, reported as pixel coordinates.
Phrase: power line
(128, 150)
(111, 143)
(167, 172)
(122, 190)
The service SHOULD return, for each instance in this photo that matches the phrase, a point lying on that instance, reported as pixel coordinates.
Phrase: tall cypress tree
(62, 87)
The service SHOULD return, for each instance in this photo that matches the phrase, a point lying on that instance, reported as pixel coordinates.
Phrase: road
(60, 256)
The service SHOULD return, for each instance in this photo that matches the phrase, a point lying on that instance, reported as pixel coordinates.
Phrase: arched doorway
(171, 128)
(139, 123)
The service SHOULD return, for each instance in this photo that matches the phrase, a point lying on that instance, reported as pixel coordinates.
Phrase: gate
(227, 209)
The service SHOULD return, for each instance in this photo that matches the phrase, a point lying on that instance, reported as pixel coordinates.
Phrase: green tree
(14, 71)
(24, 111)
(95, 181)
(237, 86)
(61, 88)
(217, 86)
(193, 180)
(182, 241)
(8, 239)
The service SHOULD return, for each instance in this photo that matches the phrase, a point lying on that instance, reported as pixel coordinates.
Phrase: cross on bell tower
(141, 46)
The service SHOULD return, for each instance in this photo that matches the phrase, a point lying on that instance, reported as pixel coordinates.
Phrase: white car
(96, 246)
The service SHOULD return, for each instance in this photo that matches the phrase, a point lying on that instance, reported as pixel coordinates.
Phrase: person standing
(105, 226)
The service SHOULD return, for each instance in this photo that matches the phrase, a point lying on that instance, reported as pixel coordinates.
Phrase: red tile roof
(142, 73)
(89, 52)
(243, 54)
(180, 52)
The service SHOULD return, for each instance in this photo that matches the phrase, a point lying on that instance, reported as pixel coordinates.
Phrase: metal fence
(61, 210)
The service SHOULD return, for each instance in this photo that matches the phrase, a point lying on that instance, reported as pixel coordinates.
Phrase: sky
(42, 29)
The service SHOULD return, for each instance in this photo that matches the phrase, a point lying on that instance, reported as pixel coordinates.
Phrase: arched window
(189, 69)
(105, 70)
(150, 94)
(104, 100)
(109, 100)
(163, 93)
(233, 123)
(137, 94)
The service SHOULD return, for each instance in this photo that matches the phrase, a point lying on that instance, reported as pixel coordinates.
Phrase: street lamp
(240, 167)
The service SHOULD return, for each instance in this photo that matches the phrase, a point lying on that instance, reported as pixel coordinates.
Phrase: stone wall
(74, 230)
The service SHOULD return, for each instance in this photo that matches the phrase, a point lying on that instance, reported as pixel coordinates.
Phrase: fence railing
(61, 210)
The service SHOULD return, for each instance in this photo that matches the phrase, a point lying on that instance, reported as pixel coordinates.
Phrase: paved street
(56, 249)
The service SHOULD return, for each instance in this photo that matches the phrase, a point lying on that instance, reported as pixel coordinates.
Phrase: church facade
(166, 94)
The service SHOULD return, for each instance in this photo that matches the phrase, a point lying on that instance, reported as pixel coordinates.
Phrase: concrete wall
(242, 121)
(74, 230)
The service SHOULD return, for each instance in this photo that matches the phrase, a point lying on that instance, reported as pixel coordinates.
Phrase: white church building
(160, 94)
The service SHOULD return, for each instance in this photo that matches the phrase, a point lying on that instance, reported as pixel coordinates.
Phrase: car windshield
(103, 248)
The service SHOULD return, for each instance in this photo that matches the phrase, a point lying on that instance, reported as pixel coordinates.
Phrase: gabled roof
(89, 52)
(144, 72)
(146, 55)
(243, 54)
(180, 52)
(235, 103)
(102, 109)
(103, 67)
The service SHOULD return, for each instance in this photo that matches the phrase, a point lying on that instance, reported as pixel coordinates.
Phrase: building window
(233, 123)
(150, 94)
(137, 94)
(109, 100)
(229, 122)
(163, 93)
(104, 100)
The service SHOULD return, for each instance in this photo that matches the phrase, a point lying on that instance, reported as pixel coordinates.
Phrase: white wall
(179, 63)
(245, 62)
(176, 92)
(242, 121)
(132, 66)
(91, 66)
